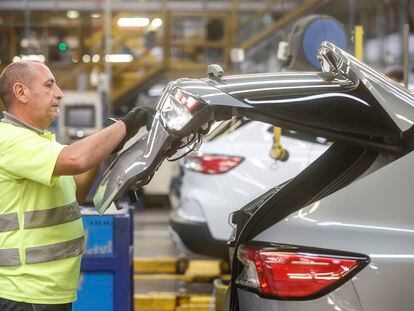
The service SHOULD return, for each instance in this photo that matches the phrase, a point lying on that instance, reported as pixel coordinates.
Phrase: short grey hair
(14, 73)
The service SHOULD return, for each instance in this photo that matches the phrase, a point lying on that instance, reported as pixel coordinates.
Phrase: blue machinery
(106, 282)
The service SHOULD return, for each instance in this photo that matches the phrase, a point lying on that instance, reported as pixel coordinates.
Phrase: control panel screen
(80, 116)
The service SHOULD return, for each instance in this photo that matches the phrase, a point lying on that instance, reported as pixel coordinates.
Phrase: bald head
(20, 72)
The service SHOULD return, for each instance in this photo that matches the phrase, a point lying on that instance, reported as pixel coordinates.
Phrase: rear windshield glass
(302, 136)
(219, 129)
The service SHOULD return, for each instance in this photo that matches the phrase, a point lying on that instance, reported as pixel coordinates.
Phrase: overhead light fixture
(34, 57)
(86, 58)
(96, 58)
(119, 58)
(72, 14)
(24, 43)
(95, 15)
(156, 23)
(133, 22)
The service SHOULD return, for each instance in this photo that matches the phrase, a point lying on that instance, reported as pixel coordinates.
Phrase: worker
(41, 183)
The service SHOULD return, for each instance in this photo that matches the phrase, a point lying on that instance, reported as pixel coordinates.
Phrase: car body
(341, 235)
(338, 236)
(208, 193)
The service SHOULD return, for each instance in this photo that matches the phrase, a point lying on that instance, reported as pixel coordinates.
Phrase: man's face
(44, 96)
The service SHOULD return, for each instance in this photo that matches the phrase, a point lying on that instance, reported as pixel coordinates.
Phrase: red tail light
(211, 163)
(289, 272)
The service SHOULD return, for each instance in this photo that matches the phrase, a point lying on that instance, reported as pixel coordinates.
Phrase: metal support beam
(406, 52)
(145, 7)
(108, 50)
(166, 18)
(13, 43)
(234, 22)
(27, 32)
(352, 14)
(359, 41)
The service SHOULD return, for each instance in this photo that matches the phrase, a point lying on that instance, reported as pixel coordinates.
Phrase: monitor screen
(80, 116)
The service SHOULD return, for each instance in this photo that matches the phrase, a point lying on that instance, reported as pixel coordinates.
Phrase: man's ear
(21, 92)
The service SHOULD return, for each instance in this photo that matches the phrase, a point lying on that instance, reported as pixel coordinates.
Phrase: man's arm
(84, 183)
(89, 152)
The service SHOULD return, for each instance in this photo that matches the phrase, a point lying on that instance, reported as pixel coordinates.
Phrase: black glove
(134, 120)
(137, 118)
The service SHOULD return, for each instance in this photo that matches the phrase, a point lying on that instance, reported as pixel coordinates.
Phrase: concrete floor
(152, 239)
(152, 234)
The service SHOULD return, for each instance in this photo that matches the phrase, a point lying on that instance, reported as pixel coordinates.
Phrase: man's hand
(137, 118)
(134, 120)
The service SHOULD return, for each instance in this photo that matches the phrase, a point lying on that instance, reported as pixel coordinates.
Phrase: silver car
(338, 236)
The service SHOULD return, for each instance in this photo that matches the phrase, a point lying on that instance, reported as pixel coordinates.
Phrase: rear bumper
(197, 238)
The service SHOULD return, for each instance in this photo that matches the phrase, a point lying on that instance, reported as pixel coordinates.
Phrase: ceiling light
(156, 22)
(119, 58)
(96, 58)
(24, 43)
(86, 58)
(95, 15)
(34, 57)
(72, 14)
(133, 22)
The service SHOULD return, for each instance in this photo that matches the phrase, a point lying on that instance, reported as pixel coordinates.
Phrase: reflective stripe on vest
(9, 222)
(51, 217)
(63, 250)
(9, 257)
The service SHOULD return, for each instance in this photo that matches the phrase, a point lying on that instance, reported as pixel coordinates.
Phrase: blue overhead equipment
(306, 37)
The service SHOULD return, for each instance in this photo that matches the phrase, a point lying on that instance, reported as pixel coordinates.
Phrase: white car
(232, 167)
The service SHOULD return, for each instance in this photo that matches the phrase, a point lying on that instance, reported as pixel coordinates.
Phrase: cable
(192, 145)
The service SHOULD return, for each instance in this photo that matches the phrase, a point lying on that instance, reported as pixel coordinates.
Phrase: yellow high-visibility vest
(41, 230)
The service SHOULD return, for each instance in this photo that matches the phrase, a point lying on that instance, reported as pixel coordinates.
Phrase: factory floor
(152, 234)
(166, 278)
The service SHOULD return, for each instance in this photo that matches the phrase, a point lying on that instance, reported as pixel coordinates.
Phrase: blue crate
(106, 282)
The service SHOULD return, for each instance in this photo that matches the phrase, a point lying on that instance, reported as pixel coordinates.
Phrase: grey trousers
(10, 305)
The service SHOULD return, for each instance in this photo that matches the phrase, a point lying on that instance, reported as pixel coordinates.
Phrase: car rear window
(219, 129)
(301, 136)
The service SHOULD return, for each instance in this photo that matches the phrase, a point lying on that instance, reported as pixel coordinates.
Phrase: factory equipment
(81, 115)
